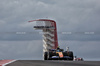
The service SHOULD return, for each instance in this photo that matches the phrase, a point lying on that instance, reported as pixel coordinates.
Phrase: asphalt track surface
(53, 63)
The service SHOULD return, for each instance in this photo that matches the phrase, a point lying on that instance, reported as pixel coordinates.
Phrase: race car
(59, 54)
(78, 59)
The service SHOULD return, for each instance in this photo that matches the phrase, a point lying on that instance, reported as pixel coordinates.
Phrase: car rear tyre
(45, 56)
(71, 55)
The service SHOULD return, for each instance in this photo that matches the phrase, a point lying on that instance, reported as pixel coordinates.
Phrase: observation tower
(50, 40)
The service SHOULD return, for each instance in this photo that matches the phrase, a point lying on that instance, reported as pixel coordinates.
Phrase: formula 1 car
(78, 59)
(54, 54)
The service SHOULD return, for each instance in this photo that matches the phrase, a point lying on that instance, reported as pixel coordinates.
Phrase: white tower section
(48, 27)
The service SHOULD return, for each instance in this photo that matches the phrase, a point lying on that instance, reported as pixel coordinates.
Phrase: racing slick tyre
(65, 54)
(49, 55)
(70, 55)
(45, 55)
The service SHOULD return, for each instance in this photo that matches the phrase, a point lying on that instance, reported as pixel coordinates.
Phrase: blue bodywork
(66, 57)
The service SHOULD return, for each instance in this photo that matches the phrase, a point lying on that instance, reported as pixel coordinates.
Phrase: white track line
(9, 62)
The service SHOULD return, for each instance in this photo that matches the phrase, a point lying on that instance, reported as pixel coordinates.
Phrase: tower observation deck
(50, 40)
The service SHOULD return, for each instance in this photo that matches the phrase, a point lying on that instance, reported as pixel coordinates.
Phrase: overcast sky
(77, 21)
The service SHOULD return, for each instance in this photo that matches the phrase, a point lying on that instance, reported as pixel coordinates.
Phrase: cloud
(21, 49)
(70, 15)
